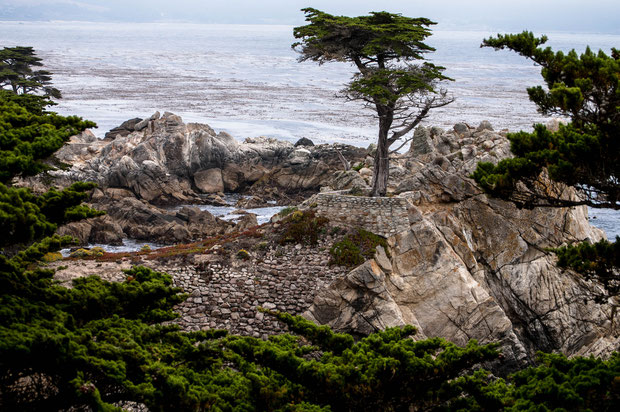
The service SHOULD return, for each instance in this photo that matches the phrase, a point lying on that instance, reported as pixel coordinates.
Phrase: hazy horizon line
(437, 27)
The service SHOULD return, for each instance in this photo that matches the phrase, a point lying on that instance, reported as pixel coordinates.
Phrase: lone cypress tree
(383, 46)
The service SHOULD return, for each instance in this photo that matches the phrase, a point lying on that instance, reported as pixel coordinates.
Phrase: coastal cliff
(458, 264)
(465, 266)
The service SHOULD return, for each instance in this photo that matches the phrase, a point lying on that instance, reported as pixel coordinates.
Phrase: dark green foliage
(384, 47)
(303, 227)
(333, 342)
(25, 217)
(583, 87)
(561, 384)
(392, 36)
(386, 371)
(96, 344)
(354, 249)
(92, 345)
(33, 104)
(16, 72)
(28, 135)
(599, 261)
(585, 153)
(36, 251)
(584, 158)
(346, 253)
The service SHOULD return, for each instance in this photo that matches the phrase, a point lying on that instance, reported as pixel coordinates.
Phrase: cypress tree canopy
(28, 136)
(585, 153)
(384, 47)
(16, 72)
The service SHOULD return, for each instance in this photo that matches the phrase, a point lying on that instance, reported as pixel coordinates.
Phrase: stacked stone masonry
(383, 216)
(227, 297)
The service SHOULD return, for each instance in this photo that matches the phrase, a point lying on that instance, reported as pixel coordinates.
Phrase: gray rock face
(163, 160)
(101, 229)
(124, 129)
(421, 142)
(209, 181)
(461, 129)
(81, 146)
(484, 125)
(348, 180)
(129, 217)
(471, 267)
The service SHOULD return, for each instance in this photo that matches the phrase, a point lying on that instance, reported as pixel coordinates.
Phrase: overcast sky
(602, 16)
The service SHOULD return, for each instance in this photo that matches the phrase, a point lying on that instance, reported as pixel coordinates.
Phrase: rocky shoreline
(144, 167)
(458, 264)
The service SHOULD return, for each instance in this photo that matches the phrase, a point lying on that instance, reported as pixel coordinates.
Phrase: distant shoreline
(438, 28)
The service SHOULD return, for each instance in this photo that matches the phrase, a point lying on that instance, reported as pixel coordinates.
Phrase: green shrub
(346, 253)
(85, 253)
(557, 383)
(598, 261)
(296, 216)
(145, 248)
(287, 211)
(243, 254)
(80, 253)
(51, 257)
(356, 248)
(303, 227)
(359, 166)
(96, 251)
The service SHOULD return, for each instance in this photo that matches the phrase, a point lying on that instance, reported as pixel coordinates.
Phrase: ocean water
(606, 219)
(245, 79)
(263, 215)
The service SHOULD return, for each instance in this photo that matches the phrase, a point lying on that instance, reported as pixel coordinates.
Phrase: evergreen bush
(303, 227)
(354, 249)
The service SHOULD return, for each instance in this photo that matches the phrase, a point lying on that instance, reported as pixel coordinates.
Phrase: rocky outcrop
(465, 266)
(460, 265)
(129, 217)
(103, 230)
(129, 126)
(163, 160)
(304, 141)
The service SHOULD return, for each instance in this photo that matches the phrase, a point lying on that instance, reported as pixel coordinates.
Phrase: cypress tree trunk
(382, 165)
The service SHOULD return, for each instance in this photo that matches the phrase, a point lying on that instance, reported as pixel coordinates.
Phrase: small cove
(263, 215)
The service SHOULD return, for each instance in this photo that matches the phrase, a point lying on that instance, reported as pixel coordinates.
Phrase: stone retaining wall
(225, 296)
(383, 216)
(226, 292)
